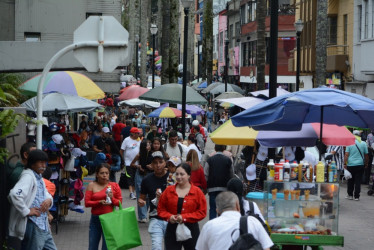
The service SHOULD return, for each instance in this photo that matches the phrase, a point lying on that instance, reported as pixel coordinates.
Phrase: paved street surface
(356, 223)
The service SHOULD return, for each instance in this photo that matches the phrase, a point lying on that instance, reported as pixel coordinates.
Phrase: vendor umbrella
(227, 134)
(131, 93)
(128, 87)
(192, 109)
(227, 95)
(172, 93)
(166, 112)
(62, 103)
(67, 82)
(220, 88)
(322, 105)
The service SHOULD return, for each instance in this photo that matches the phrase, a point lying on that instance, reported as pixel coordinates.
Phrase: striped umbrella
(166, 112)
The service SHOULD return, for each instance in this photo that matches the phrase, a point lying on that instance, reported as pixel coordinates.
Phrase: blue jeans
(95, 234)
(36, 238)
(157, 229)
(212, 204)
(209, 125)
(142, 211)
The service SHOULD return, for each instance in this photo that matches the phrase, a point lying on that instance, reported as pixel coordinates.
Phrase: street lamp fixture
(154, 30)
(299, 25)
(227, 41)
(137, 57)
(186, 6)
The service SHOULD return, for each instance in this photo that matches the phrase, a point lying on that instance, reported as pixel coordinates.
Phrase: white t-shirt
(175, 151)
(216, 233)
(194, 147)
(131, 148)
(255, 208)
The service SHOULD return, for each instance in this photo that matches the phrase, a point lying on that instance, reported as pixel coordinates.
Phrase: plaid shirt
(40, 221)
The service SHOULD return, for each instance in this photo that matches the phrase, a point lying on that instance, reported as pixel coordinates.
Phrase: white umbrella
(138, 102)
(61, 102)
(243, 102)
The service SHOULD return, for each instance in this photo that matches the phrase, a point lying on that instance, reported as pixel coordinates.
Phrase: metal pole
(226, 63)
(48, 66)
(184, 87)
(153, 62)
(273, 49)
(198, 60)
(298, 61)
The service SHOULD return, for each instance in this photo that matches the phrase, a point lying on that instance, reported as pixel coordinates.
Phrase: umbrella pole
(320, 134)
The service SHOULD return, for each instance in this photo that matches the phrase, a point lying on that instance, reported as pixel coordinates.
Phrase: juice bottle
(286, 171)
(320, 172)
(332, 172)
(278, 172)
(311, 173)
(270, 170)
(300, 172)
(293, 175)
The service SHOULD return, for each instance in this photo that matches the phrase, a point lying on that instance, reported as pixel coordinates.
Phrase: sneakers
(357, 199)
(132, 196)
(143, 220)
(349, 197)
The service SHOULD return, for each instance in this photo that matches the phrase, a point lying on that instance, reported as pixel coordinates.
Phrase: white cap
(262, 153)
(77, 152)
(195, 123)
(106, 130)
(57, 138)
(356, 132)
(251, 172)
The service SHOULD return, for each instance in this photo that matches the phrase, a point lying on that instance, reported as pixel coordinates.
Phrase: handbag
(183, 233)
(120, 228)
(69, 164)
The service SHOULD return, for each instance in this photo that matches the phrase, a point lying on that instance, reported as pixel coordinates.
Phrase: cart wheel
(62, 219)
(370, 192)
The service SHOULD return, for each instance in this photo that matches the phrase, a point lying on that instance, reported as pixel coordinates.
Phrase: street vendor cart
(302, 214)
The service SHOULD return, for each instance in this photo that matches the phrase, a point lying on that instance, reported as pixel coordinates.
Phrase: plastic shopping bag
(347, 174)
(183, 233)
(120, 228)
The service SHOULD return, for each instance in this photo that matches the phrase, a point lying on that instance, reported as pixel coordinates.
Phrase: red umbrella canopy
(128, 87)
(132, 93)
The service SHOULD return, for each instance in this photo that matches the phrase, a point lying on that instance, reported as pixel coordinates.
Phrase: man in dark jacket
(218, 171)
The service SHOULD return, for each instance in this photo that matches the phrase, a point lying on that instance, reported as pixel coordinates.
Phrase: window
(244, 53)
(359, 22)
(242, 15)
(345, 38)
(251, 11)
(88, 14)
(366, 19)
(32, 36)
(237, 33)
(332, 29)
(220, 48)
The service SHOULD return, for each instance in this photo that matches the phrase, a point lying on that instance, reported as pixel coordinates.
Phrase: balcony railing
(333, 50)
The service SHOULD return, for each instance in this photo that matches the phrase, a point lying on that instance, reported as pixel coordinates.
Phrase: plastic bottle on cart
(293, 175)
(320, 172)
(278, 172)
(306, 171)
(311, 173)
(332, 172)
(270, 175)
(286, 171)
(300, 171)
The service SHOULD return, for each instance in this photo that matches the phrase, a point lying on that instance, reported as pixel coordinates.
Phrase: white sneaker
(349, 197)
(357, 199)
(143, 220)
(132, 196)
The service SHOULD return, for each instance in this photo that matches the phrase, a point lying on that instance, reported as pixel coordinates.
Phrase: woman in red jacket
(182, 203)
(96, 197)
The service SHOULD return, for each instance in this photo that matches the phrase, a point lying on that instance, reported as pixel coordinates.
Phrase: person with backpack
(231, 230)
(172, 148)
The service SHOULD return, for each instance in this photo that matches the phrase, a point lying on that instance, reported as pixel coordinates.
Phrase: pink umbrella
(132, 93)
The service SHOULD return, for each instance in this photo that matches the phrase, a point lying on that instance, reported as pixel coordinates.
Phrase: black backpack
(251, 212)
(246, 241)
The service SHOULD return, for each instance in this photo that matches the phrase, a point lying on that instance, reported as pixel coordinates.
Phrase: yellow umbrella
(227, 134)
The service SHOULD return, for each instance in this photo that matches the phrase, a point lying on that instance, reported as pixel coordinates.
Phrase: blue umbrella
(323, 105)
(203, 85)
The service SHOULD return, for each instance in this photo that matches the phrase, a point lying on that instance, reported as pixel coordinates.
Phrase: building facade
(31, 32)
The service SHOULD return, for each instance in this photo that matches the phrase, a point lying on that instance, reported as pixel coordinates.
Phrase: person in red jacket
(182, 203)
(96, 198)
(116, 130)
(197, 173)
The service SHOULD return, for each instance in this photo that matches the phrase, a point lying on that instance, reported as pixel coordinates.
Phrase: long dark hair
(192, 138)
(161, 147)
(113, 146)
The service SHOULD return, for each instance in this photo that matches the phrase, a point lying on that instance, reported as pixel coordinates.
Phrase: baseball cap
(356, 132)
(157, 154)
(105, 130)
(195, 123)
(57, 138)
(134, 130)
(136, 114)
(77, 152)
(175, 160)
(251, 172)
